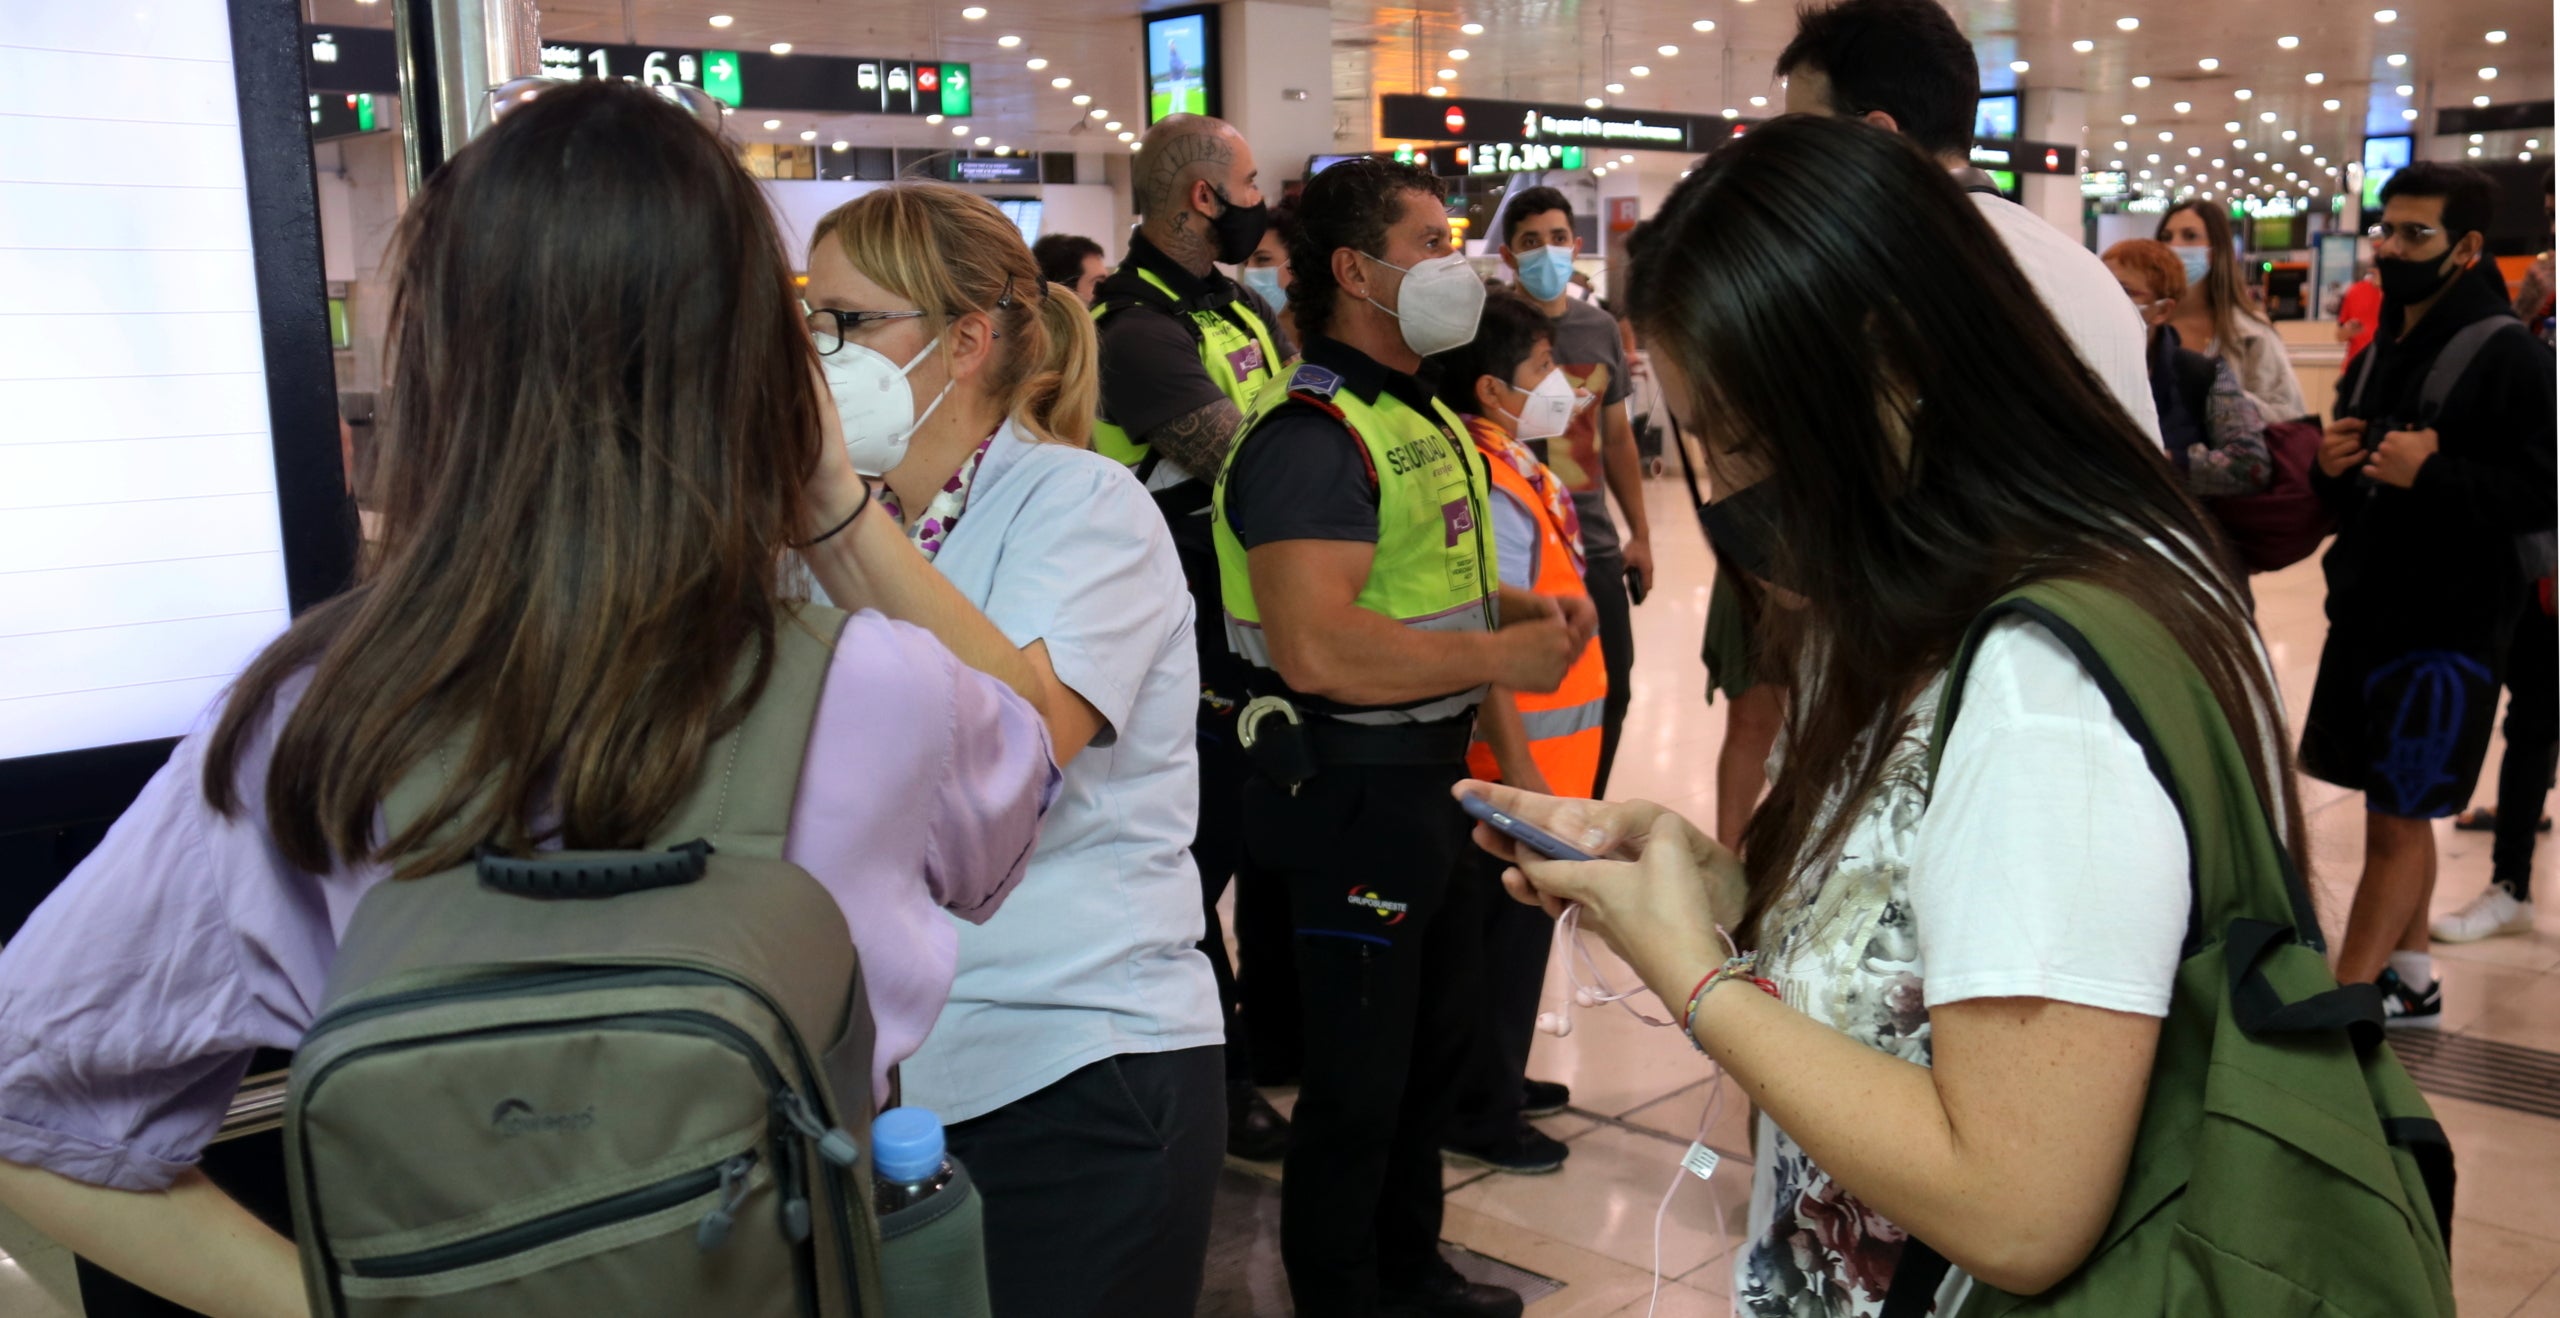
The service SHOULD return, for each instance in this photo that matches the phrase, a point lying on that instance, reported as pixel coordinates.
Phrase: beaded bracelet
(1739, 967)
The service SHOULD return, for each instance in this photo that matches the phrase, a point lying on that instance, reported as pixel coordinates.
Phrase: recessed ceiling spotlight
(2480, 102)
(2329, 105)
(1666, 51)
(2142, 80)
(1472, 29)
(2266, 116)
(2182, 106)
(2084, 46)
(2403, 89)
(1759, 102)
(1111, 127)
(2121, 146)
(2386, 15)
(2129, 119)
(2287, 43)
(2208, 64)
(982, 141)
(2409, 114)
(808, 134)
(1137, 146)
(2127, 24)
(1732, 113)
(1083, 99)
(933, 118)
(2242, 94)
(771, 124)
(2289, 134)
(840, 145)
(2497, 38)
(780, 48)
(1641, 71)
(2477, 139)
(2154, 157)
(1616, 89)
(1703, 25)
(1126, 137)
(1447, 74)
(1035, 64)
(2167, 136)
(2231, 127)
(722, 20)
(2488, 75)
(2017, 66)
(1008, 41)
(973, 13)
(2471, 150)
(1098, 115)
(2315, 79)
(1591, 103)
(2194, 151)
(1062, 83)
(1004, 150)
(2395, 61)
(1458, 54)
(959, 130)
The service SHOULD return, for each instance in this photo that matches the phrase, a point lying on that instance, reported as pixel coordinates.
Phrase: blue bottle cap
(906, 1145)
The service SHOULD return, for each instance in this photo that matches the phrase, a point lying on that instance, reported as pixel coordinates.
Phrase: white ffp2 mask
(1436, 310)
(1548, 409)
(875, 404)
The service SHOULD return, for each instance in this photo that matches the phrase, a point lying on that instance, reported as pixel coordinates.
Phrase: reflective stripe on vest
(1434, 568)
(1562, 726)
(1240, 360)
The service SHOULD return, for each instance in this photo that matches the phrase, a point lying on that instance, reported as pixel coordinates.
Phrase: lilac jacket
(130, 1002)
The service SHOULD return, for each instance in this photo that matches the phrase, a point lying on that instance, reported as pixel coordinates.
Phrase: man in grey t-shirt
(1596, 457)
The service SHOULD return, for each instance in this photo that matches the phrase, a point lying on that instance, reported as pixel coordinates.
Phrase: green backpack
(2285, 1164)
(602, 1082)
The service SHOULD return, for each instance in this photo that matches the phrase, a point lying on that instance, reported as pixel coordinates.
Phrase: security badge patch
(1388, 912)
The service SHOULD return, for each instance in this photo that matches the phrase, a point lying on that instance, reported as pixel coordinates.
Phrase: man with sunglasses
(2440, 458)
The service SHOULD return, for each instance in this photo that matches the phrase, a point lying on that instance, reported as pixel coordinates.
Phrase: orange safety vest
(1564, 725)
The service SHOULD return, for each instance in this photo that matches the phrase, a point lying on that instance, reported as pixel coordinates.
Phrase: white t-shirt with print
(2049, 863)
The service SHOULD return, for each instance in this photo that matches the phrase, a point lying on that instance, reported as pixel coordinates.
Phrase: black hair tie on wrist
(849, 519)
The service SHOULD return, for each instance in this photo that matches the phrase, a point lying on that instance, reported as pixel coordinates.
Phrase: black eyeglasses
(831, 327)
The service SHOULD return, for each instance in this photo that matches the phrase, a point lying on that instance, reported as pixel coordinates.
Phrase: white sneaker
(2490, 914)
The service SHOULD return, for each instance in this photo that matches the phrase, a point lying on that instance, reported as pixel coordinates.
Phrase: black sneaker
(2406, 1008)
(1543, 1098)
(1256, 1132)
(1449, 1295)
(1527, 1151)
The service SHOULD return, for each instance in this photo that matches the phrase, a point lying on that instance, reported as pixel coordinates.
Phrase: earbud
(1556, 1023)
(1583, 997)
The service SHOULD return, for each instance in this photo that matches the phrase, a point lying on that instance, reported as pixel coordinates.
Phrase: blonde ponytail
(1060, 396)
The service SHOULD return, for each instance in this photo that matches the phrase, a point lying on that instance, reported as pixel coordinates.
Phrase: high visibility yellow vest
(1236, 349)
(1434, 569)
(1563, 727)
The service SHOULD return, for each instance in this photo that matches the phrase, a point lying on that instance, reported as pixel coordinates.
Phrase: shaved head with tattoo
(1191, 168)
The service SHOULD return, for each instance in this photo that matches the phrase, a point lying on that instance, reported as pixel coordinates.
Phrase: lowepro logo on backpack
(514, 1116)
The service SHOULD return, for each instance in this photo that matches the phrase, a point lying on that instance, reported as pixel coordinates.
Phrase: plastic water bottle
(907, 1161)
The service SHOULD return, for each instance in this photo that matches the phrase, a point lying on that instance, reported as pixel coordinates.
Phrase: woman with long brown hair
(1965, 977)
(2214, 317)
(603, 437)
(1079, 1063)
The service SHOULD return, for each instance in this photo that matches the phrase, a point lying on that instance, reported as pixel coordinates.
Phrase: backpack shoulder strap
(742, 799)
(2459, 352)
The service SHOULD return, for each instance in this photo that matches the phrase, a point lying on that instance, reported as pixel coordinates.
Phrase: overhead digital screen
(1996, 116)
(2383, 157)
(1182, 64)
(141, 551)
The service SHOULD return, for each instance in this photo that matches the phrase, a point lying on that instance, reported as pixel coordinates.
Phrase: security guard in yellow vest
(1184, 350)
(1360, 585)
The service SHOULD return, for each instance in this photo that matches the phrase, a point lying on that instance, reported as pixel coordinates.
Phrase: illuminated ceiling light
(1111, 127)
(2218, 162)
(2287, 43)
(2127, 24)
(1435, 89)
(2321, 161)
(2142, 80)
(2488, 75)
(2524, 155)
(2239, 144)
(808, 134)
(1732, 113)
(2115, 164)
(2017, 66)
(2533, 144)
(2167, 136)
(1615, 89)
(2266, 116)
(2307, 148)
(771, 124)
(1083, 99)
(2121, 146)
(2208, 64)
(1137, 146)
(2476, 139)
(2315, 79)
(2329, 105)
(1126, 137)
(1004, 150)
(2231, 127)
(2153, 158)
(1447, 74)
(2409, 114)
(2480, 102)
(2404, 89)
(2242, 94)
(973, 13)
(1703, 25)
(1759, 102)
(2182, 106)
(1035, 64)
(2497, 38)
(2289, 134)
(1472, 29)
(2472, 150)
(2386, 15)
(780, 48)
(2395, 61)
(1062, 83)
(2195, 151)
(1008, 41)
(1458, 54)
(840, 145)
(2260, 157)
(1591, 103)
(1626, 160)
(983, 141)
(933, 118)
(722, 20)
(1641, 71)
(1666, 51)
(2084, 47)
(959, 130)
(2128, 118)
(1099, 115)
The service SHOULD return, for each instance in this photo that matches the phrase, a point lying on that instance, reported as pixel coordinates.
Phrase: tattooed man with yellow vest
(1184, 350)
(1361, 588)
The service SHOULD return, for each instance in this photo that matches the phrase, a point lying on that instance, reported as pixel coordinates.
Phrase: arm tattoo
(1197, 442)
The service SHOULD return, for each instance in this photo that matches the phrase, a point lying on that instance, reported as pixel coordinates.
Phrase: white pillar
(2059, 116)
(1278, 59)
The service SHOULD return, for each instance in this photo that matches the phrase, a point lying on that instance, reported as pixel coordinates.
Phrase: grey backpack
(601, 1082)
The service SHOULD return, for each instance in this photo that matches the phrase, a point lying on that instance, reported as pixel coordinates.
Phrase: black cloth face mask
(1239, 229)
(2406, 282)
(1742, 527)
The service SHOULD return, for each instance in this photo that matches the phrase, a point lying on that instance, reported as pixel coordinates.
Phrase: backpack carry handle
(591, 875)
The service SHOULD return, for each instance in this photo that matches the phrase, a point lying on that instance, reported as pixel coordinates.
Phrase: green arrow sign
(720, 76)
(955, 90)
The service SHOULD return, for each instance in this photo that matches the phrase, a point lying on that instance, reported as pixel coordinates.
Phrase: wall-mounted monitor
(1995, 116)
(1183, 75)
(2383, 157)
(1025, 214)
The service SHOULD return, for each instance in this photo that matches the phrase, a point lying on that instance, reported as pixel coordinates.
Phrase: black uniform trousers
(1388, 906)
(1605, 576)
(2533, 737)
(1516, 940)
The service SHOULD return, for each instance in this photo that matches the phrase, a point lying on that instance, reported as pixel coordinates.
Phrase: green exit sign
(956, 89)
(721, 78)
(1573, 157)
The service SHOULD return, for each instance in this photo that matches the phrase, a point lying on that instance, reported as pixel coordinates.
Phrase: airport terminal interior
(196, 193)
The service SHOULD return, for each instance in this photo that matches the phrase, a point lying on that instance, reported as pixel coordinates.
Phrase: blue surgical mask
(1545, 271)
(1265, 280)
(2197, 260)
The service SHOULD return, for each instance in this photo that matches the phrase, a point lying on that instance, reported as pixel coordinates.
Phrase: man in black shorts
(2432, 487)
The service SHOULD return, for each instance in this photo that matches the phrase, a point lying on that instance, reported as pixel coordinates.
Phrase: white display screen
(141, 558)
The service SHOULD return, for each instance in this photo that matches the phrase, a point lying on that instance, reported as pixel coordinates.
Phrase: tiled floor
(1639, 1091)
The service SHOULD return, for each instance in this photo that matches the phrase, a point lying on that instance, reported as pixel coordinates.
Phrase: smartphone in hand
(1526, 834)
(1635, 587)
